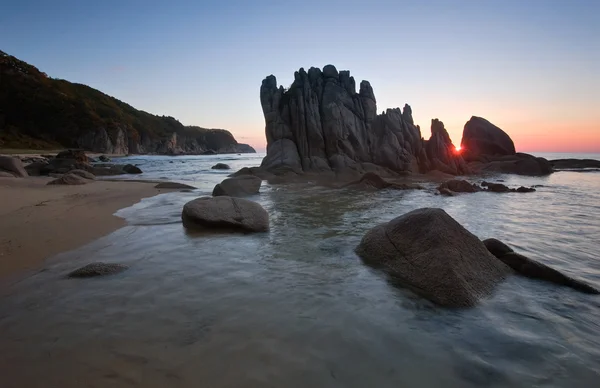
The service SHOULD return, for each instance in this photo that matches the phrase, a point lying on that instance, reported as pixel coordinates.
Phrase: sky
(532, 67)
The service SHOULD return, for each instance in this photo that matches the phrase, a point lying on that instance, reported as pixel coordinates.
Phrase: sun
(457, 149)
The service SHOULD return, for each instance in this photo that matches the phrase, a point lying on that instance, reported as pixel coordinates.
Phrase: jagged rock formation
(38, 112)
(320, 124)
(441, 153)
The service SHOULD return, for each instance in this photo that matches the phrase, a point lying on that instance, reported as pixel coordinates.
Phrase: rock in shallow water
(97, 269)
(427, 251)
(221, 166)
(533, 269)
(239, 186)
(131, 169)
(225, 214)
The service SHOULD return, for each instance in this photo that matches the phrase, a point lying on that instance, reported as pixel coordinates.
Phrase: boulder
(131, 169)
(480, 137)
(221, 166)
(35, 168)
(173, 185)
(225, 213)
(77, 155)
(427, 251)
(372, 181)
(574, 164)
(521, 164)
(533, 269)
(104, 158)
(459, 186)
(495, 187)
(97, 269)
(4, 174)
(240, 186)
(62, 166)
(13, 166)
(84, 174)
(69, 179)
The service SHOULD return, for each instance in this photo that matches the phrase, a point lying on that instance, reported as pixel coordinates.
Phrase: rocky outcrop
(427, 251)
(240, 186)
(97, 269)
(533, 269)
(225, 214)
(441, 154)
(480, 137)
(13, 166)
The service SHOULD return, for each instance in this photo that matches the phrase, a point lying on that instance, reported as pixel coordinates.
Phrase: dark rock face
(131, 169)
(575, 164)
(69, 179)
(13, 166)
(533, 269)
(225, 214)
(521, 164)
(97, 269)
(441, 154)
(480, 137)
(240, 186)
(428, 251)
(321, 124)
(221, 166)
(459, 186)
(76, 155)
(173, 185)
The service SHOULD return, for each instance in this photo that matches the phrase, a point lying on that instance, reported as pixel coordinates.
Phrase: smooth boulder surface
(534, 269)
(427, 251)
(83, 174)
(240, 186)
(131, 169)
(480, 137)
(221, 166)
(225, 214)
(173, 185)
(77, 155)
(13, 166)
(97, 269)
(69, 179)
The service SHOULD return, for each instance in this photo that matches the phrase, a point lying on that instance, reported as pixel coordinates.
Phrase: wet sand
(39, 221)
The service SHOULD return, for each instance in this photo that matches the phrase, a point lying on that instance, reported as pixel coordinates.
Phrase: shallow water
(296, 307)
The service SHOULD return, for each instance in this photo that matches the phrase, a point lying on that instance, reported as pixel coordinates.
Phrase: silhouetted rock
(427, 251)
(173, 185)
(225, 214)
(533, 269)
(480, 137)
(240, 186)
(12, 166)
(372, 181)
(69, 179)
(574, 164)
(521, 164)
(131, 169)
(459, 186)
(221, 166)
(97, 269)
(441, 153)
(496, 187)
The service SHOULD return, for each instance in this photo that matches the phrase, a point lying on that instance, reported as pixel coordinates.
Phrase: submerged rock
(97, 269)
(533, 269)
(131, 169)
(427, 251)
(69, 179)
(221, 166)
(173, 185)
(225, 213)
(13, 166)
(240, 186)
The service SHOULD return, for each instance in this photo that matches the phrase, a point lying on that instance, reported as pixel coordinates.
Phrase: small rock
(83, 174)
(173, 185)
(523, 189)
(131, 169)
(459, 186)
(69, 179)
(97, 269)
(496, 187)
(221, 166)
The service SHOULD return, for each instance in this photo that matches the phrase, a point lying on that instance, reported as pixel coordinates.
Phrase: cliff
(321, 124)
(39, 112)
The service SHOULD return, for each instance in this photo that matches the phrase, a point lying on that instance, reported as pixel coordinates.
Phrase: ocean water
(296, 307)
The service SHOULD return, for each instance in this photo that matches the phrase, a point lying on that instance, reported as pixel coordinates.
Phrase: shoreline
(40, 221)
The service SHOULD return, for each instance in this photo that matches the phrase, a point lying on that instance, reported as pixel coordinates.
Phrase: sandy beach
(39, 221)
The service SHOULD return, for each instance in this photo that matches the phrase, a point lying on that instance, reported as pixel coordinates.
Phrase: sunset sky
(531, 67)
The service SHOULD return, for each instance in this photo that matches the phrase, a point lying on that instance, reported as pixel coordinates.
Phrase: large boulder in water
(239, 186)
(427, 251)
(480, 137)
(534, 269)
(13, 166)
(225, 213)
